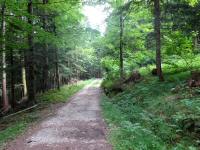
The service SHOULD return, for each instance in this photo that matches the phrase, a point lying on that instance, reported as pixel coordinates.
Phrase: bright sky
(96, 16)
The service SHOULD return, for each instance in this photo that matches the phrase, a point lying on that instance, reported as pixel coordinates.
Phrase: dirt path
(76, 126)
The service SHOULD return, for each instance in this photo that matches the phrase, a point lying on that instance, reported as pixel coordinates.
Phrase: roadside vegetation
(152, 75)
(152, 116)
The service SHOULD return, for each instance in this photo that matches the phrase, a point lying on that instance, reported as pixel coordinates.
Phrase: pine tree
(6, 104)
(157, 24)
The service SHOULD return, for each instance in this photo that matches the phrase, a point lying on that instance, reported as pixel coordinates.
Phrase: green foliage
(192, 2)
(179, 32)
(16, 125)
(84, 61)
(110, 65)
(11, 132)
(149, 116)
(61, 45)
(137, 26)
(179, 46)
(62, 95)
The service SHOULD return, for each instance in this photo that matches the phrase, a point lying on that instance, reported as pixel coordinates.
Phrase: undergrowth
(151, 115)
(55, 96)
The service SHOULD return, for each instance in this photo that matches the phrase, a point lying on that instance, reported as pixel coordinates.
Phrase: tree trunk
(6, 104)
(121, 47)
(57, 71)
(45, 55)
(45, 69)
(70, 68)
(30, 58)
(12, 83)
(12, 74)
(158, 38)
(24, 77)
(56, 62)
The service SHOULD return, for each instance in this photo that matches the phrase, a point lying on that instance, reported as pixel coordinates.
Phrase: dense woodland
(148, 57)
(44, 45)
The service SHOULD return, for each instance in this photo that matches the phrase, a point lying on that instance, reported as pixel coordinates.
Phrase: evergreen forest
(141, 61)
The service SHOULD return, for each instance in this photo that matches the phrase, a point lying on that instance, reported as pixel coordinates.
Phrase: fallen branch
(21, 111)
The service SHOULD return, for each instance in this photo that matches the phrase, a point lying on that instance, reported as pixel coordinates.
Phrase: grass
(150, 115)
(55, 96)
(16, 125)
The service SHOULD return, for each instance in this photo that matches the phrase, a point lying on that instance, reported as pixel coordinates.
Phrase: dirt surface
(76, 126)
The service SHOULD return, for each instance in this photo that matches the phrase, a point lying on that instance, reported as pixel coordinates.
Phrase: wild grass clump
(62, 95)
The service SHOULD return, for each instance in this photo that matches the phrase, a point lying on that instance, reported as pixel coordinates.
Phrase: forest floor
(77, 125)
(153, 115)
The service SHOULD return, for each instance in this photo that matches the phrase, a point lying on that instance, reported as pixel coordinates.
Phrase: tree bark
(6, 104)
(121, 47)
(12, 83)
(24, 77)
(46, 60)
(30, 58)
(157, 25)
(12, 74)
(56, 62)
(57, 71)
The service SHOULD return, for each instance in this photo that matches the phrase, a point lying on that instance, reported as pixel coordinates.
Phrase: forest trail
(78, 125)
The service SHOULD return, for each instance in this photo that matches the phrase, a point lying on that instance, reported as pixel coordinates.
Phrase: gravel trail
(77, 125)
